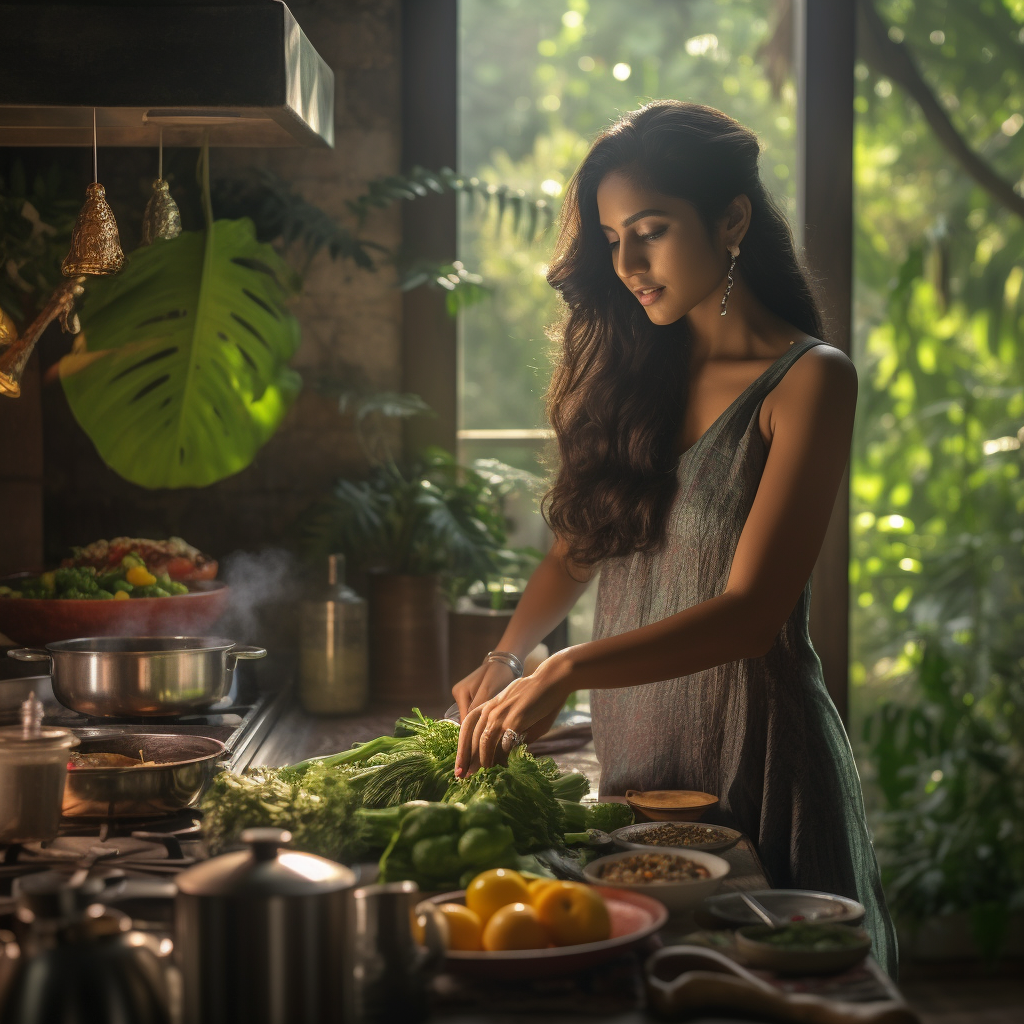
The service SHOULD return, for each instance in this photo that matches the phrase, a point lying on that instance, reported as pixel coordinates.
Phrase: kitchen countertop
(609, 994)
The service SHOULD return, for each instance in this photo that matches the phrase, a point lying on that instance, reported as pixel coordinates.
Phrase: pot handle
(240, 651)
(28, 654)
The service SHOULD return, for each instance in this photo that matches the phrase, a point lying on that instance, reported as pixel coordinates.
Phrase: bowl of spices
(679, 881)
(689, 834)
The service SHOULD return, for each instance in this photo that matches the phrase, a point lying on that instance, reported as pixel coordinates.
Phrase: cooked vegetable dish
(677, 834)
(653, 867)
(806, 935)
(102, 759)
(119, 570)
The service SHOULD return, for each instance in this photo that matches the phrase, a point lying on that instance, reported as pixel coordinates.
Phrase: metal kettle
(80, 961)
(262, 936)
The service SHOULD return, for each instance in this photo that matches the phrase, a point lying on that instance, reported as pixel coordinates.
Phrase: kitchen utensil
(671, 804)
(81, 961)
(729, 911)
(677, 896)
(184, 764)
(333, 658)
(679, 979)
(756, 952)
(35, 622)
(122, 677)
(635, 917)
(627, 838)
(392, 968)
(762, 912)
(263, 936)
(33, 763)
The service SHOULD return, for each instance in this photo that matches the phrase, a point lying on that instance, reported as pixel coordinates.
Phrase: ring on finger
(510, 738)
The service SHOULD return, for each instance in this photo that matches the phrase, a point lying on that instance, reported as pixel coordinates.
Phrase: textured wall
(350, 319)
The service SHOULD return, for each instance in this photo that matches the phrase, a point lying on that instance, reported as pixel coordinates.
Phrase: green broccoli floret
(81, 578)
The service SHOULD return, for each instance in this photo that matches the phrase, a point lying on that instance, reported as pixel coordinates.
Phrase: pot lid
(265, 869)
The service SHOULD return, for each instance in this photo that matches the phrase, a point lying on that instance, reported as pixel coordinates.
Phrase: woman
(703, 428)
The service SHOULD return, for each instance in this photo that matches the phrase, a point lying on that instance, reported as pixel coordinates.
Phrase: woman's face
(660, 248)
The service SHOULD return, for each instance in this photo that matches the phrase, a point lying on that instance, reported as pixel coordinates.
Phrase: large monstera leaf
(180, 374)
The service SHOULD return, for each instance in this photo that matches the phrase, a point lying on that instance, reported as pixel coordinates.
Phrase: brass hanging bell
(95, 245)
(8, 330)
(161, 218)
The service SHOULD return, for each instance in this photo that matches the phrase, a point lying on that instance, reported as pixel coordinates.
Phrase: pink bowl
(33, 622)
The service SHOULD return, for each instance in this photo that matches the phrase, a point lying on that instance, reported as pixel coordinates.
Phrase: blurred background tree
(937, 629)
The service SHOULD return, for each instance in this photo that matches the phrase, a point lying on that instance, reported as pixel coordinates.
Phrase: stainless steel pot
(124, 676)
(184, 765)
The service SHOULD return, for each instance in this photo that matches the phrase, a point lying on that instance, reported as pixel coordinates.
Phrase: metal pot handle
(242, 651)
(28, 654)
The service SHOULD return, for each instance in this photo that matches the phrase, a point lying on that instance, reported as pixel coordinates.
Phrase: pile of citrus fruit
(505, 911)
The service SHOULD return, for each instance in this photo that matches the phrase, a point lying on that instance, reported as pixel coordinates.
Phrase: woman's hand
(481, 685)
(527, 706)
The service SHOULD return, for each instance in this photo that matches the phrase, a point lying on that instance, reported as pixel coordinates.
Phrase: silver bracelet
(506, 658)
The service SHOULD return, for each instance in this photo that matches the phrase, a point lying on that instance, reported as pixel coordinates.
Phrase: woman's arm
(812, 412)
(547, 599)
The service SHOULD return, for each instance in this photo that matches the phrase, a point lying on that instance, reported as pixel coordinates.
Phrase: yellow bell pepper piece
(138, 576)
(122, 595)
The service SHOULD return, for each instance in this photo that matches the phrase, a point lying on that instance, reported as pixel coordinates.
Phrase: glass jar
(33, 768)
(333, 669)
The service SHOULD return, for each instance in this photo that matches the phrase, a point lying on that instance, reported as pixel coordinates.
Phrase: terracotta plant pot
(408, 621)
(471, 635)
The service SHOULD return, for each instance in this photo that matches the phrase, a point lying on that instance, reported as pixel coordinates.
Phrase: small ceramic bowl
(670, 804)
(629, 838)
(676, 896)
(768, 956)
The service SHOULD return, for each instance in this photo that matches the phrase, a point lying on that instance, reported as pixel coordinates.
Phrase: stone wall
(350, 319)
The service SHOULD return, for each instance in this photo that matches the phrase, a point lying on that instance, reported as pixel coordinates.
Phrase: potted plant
(421, 530)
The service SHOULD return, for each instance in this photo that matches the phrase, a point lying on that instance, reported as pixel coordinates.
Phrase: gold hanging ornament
(162, 218)
(95, 245)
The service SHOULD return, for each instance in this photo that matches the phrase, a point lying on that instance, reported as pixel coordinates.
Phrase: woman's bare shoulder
(823, 371)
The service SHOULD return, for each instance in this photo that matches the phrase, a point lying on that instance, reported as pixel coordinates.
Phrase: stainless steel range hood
(243, 72)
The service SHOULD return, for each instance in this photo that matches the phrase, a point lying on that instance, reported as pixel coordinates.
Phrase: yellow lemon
(536, 887)
(515, 926)
(464, 928)
(573, 913)
(494, 889)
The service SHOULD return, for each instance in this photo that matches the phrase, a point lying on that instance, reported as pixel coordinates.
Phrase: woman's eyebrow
(641, 214)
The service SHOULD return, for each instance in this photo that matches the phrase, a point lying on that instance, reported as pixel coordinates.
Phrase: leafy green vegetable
(525, 794)
(609, 817)
(317, 811)
(574, 815)
(572, 785)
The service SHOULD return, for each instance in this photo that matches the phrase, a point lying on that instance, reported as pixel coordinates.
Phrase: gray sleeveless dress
(762, 734)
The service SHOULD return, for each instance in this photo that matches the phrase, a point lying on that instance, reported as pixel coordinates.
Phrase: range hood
(241, 71)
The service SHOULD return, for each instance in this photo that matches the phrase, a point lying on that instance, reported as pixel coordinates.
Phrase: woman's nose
(630, 260)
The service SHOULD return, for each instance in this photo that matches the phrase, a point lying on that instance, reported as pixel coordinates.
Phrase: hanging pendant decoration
(95, 244)
(162, 218)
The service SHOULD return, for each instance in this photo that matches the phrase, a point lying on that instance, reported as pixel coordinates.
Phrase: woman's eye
(652, 235)
(611, 245)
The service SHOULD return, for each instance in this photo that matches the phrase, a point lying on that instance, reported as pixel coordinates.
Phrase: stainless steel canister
(333, 661)
(262, 936)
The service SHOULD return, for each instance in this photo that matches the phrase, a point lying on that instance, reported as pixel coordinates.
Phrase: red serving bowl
(33, 622)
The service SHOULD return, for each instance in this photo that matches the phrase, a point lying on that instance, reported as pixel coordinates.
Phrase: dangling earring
(734, 252)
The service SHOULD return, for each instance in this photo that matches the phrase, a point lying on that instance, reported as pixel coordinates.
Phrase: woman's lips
(648, 295)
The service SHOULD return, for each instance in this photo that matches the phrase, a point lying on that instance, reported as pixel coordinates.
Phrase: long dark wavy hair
(618, 391)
